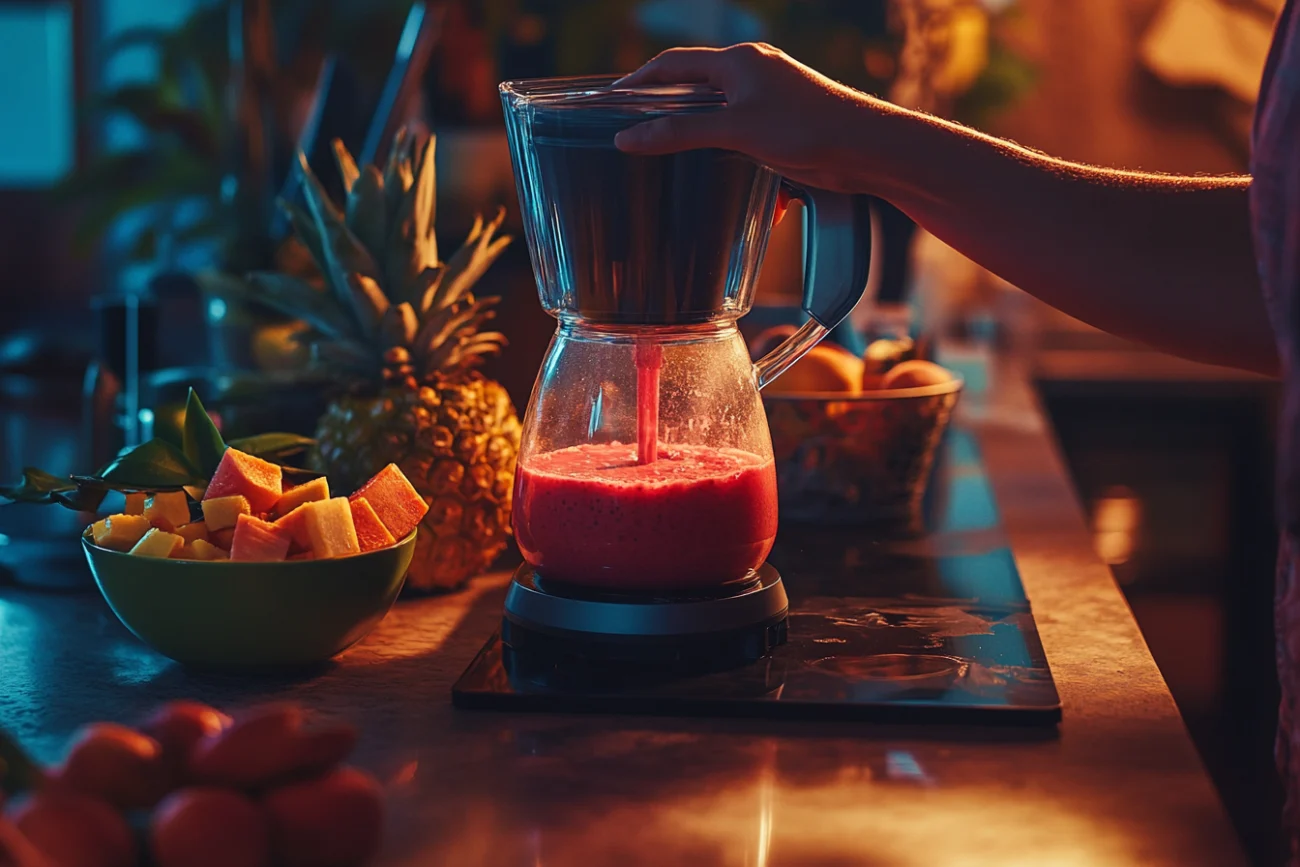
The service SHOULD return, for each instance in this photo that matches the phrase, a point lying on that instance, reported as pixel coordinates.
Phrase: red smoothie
(694, 517)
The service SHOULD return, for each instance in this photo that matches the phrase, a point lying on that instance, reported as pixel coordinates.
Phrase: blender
(645, 495)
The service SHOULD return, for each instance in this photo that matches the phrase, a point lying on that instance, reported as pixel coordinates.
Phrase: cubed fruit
(302, 555)
(135, 503)
(184, 552)
(256, 480)
(222, 538)
(204, 550)
(307, 492)
(121, 532)
(330, 529)
(192, 531)
(256, 539)
(173, 507)
(222, 512)
(157, 543)
(394, 500)
(371, 532)
(295, 524)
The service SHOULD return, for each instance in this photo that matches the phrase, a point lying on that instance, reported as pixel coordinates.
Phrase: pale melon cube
(193, 531)
(157, 543)
(120, 532)
(222, 512)
(202, 549)
(135, 503)
(170, 506)
(330, 529)
(307, 492)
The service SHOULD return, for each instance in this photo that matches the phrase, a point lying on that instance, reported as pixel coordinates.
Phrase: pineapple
(404, 332)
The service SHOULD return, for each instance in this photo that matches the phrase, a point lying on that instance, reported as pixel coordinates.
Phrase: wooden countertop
(1118, 783)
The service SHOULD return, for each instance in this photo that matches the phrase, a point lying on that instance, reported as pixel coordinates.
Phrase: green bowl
(250, 615)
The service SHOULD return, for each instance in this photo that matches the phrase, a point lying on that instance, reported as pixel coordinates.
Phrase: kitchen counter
(1117, 783)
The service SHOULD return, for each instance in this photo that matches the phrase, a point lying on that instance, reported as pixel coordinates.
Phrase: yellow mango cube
(135, 503)
(173, 507)
(193, 531)
(307, 492)
(157, 543)
(120, 532)
(330, 529)
(201, 549)
(222, 512)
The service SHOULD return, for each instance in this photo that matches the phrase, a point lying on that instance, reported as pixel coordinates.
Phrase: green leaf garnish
(273, 446)
(84, 499)
(203, 443)
(153, 466)
(37, 486)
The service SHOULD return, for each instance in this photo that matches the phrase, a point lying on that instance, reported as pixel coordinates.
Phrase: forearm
(1167, 261)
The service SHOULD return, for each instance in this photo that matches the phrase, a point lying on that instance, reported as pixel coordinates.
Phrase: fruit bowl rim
(952, 386)
(91, 546)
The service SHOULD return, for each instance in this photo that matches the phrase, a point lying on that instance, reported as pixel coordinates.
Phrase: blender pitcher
(646, 463)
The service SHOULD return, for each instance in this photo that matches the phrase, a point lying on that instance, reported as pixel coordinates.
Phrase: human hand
(779, 112)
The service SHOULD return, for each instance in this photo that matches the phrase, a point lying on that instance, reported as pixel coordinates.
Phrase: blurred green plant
(220, 126)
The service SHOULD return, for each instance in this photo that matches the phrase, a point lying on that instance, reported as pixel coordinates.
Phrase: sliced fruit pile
(248, 515)
(193, 788)
(828, 367)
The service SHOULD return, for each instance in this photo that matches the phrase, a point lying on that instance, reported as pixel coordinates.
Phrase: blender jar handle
(837, 257)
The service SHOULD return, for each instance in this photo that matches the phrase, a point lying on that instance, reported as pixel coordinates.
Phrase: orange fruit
(915, 374)
(255, 750)
(268, 747)
(115, 763)
(881, 355)
(203, 827)
(768, 339)
(825, 368)
(331, 821)
(179, 725)
(74, 830)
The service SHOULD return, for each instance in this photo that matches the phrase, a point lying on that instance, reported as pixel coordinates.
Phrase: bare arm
(1167, 261)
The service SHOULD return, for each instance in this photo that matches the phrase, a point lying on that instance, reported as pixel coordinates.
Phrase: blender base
(881, 629)
(550, 624)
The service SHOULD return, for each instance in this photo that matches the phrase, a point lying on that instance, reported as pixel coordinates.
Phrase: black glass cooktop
(933, 628)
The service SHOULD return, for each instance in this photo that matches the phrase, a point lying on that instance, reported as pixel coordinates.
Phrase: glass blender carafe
(646, 463)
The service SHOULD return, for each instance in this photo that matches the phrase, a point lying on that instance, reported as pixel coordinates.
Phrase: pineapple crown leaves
(386, 288)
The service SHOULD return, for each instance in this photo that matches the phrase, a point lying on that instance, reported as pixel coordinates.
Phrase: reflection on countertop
(1118, 783)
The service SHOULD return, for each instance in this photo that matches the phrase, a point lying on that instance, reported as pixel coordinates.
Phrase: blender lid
(594, 92)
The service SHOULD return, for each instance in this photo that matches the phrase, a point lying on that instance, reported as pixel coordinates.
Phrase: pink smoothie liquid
(694, 517)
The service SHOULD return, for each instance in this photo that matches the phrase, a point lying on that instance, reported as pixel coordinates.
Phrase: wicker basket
(857, 459)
